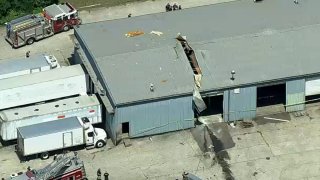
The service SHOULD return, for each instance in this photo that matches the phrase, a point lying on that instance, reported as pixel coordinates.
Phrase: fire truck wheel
(44, 155)
(30, 41)
(66, 28)
(100, 144)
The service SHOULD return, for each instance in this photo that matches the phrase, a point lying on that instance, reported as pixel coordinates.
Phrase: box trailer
(45, 137)
(80, 106)
(42, 86)
(22, 66)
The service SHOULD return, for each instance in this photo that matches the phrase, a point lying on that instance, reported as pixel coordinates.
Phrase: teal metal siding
(156, 117)
(239, 103)
(110, 127)
(295, 95)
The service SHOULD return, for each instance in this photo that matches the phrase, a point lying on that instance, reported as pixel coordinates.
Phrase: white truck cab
(96, 137)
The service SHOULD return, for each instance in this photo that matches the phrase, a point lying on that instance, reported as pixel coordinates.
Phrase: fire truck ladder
(52, 169)
(25, 24)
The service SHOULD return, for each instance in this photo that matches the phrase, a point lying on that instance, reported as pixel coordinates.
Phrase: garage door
(312, 86)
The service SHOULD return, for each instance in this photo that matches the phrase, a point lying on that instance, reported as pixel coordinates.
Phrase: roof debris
(134, 33)
(158, 33)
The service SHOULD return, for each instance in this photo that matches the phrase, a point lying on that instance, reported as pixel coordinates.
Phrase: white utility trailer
(80, 106)
(22, 66)
(42, 86)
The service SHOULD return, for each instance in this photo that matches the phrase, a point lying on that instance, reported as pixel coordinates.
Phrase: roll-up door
(295, 95)
(239, 103)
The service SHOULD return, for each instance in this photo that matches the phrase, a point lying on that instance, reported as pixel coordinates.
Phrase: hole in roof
(64, 104)
(36, 110)
(77, 102)
(56, 106)
(16, 113)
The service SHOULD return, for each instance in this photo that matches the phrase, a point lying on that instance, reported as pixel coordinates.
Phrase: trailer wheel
(30, 41)
(66, 28)
(44, 155)
(100, 144)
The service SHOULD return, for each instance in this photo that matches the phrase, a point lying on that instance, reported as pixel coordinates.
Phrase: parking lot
(285, 150)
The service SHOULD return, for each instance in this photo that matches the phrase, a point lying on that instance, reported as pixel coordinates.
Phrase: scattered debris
(273, 118)
(189, 176)
(299, 113)
(158, 33)
(276, 119)
(239, 138)
(246, 124)
(134, 33)
(214, 139)
(267, 158)
(255, 173)
(129, 15)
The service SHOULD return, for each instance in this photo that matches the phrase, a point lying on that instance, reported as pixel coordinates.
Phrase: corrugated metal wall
(295, 95)
(239, 103)
(156, 117)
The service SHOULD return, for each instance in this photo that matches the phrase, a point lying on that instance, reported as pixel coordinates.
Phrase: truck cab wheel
(30, 41)
(44, 155)
(66, 28)
(100, 144)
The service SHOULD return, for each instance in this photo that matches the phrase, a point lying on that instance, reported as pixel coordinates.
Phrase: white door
(35, 70)
(67, 139)
(90, 140)
(312, 87)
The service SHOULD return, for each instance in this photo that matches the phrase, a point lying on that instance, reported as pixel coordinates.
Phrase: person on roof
(168, 7)
(175, 6)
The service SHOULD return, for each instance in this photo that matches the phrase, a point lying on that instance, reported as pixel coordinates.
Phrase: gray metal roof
(198, 24)
(113, 51)
(129, 75)
(258, 58)
(49, 127)
(19, 64)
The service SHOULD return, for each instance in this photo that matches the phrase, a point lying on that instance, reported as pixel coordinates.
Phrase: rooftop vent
(151, 87)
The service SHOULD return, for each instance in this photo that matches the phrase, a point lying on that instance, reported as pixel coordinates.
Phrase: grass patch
(104, 3)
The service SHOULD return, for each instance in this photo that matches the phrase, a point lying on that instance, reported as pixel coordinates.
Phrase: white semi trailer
(41, 139)
(80, 106)
(42, 86)
(22, 66)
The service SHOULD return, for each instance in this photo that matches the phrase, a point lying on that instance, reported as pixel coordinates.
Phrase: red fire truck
(30, 28)
(64, 167)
